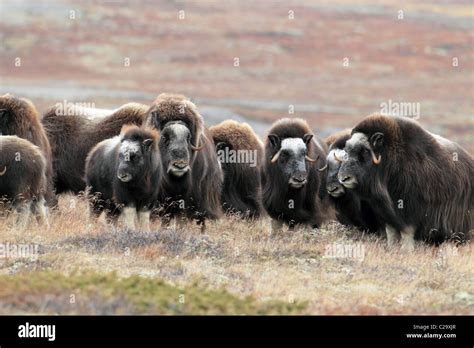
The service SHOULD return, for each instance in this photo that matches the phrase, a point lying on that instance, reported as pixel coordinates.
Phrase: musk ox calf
(75, 131)
(23, 177)
(19, 117)
(419, 184)
(291, 179)
(240, 152)
(192, 178)
(350, 209)
(123, 175)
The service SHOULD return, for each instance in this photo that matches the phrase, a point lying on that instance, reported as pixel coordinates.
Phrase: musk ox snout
(335, 189)
(124, 177)
(179, 168)
(298, 179)
(348, 180)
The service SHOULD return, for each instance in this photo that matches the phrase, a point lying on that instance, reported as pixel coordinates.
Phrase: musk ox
(74, 133)
(292, 175)
(18, 116)
(23, 180)
(419, 184)
(240, 152)
(350, 209)
(192, 177)
(123, 173)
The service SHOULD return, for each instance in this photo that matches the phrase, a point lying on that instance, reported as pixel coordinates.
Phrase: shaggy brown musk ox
(123, 173)
(18, 116)
(23, 180)
(192, 178)
(293, 178)
(419, 184)
(73, 134)
(240, 152)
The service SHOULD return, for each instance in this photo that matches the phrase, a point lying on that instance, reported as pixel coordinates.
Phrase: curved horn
(323, 168)
(336, 157)
(197, 148)
(2, 173)
(309, 159)
(375, 159)
(275, 158)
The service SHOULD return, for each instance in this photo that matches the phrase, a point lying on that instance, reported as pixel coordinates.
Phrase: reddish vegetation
(295, 61)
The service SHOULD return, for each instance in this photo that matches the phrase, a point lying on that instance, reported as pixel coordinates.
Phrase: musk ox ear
(147, 143)
(3, 112)
(307, 138)
(377, 140)
(274, 140)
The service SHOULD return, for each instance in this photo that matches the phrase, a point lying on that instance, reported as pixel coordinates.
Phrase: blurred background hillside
(288, 52)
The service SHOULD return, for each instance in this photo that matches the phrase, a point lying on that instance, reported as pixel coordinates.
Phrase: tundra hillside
(234, 268)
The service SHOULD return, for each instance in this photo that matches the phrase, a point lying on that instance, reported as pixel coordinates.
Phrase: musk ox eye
(362, 155)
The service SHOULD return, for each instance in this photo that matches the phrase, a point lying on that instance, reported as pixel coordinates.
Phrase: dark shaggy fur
(350, 209)
(422, 180)
(197, 193)
(284, 204)
(73, 136)
(133, 153)
(241, 191)
(23, 175)
(19, 117)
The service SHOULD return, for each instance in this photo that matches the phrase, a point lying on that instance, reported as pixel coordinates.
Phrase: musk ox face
(361, 160)
(176, 148)
(131, 161)
(334, 161)
(291, 159)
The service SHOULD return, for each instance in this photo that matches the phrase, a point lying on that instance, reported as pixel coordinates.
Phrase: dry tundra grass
(235, 268)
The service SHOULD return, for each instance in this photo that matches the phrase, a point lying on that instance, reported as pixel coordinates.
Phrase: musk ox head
(290, 156)
(334, 161)
(175, 107)
(182, 129)
(364, 155)
(19, 117)
(136, 148)
(336, 156)
(177, 149)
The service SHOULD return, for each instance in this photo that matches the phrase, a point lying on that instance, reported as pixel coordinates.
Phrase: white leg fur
(144, 220)
(408, 238)
(42, 212)
(128, 216)
(393, 236)
(24, 210)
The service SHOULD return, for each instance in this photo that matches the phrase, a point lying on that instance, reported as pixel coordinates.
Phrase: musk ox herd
(387, 175)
